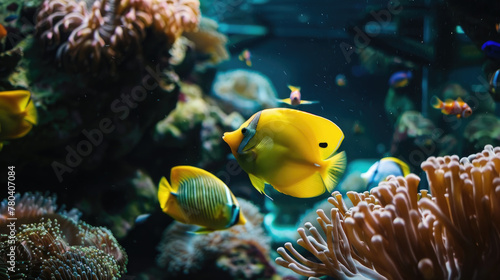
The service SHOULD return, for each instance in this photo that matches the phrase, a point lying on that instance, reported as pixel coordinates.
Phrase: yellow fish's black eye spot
(244, 130)
(323, 145)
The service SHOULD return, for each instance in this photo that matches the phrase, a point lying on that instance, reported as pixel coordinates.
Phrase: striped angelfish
(197, 197)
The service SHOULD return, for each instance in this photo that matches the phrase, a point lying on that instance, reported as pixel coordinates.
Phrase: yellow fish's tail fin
(31, 114)
(16, 100)
(436, 102)
(164, 193)
(292, 88)
(286, 100)
(335, 168)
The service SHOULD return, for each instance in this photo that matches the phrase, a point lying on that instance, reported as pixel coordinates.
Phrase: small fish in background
(495, 82)
(3, 32)
(341, 80)
(17, 114)
(400, 79)
(246, 56)
(295, 98)
(291, 150)
(452, 107)
(379, 171)
(491, 49)
(497, 27)
(11, 18)
(197, 197)
(357, 128)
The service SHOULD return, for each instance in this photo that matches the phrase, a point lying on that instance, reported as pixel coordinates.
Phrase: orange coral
(396, 233)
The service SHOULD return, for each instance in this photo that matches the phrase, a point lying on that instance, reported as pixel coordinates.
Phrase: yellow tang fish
(17, 114)
(290, 150)
(198, 197)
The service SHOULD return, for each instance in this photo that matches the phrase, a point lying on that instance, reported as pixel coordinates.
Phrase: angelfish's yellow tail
(335, 169)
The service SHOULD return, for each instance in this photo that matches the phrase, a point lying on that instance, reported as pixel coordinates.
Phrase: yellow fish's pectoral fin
(257, 183)
(16, 100)
(334, 170)
(31, 114)
(307, 102)
(286, 100)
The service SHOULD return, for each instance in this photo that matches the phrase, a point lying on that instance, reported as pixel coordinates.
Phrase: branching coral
(396, 233)
(51, 245)
(93, 34)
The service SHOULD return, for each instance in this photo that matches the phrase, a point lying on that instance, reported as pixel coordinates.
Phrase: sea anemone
(394, 232)
(94, 34)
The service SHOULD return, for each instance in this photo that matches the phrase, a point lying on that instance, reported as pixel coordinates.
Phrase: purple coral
(102, 33)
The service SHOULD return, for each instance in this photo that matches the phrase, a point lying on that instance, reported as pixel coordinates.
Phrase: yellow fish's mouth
(233, 139)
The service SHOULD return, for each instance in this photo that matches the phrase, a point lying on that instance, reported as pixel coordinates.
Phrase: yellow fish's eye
(244, 130)
(323, 145)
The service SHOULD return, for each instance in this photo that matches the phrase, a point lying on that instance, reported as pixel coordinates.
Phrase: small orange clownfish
(246, 56)
(452, 107)
(295, 98)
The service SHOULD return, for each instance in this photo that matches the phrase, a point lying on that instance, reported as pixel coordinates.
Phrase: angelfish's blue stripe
(252, 128)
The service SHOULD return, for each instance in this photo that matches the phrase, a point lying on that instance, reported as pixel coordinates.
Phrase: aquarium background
(126, 90)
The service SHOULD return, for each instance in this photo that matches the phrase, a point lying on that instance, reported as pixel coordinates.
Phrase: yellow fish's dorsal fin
(335, 169)
(292, 88)
(286, 100)
(404, 167)
(164, 193)
(16, 100)
(31, 114)
(436, 102)
(322, 134)
(459, 99)
(449, 100)
(257, 183)
(187, 173)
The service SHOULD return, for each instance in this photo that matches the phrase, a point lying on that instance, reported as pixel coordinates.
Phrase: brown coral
(93, 34)
(183, 253)
(396, 233)
(51, 245)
